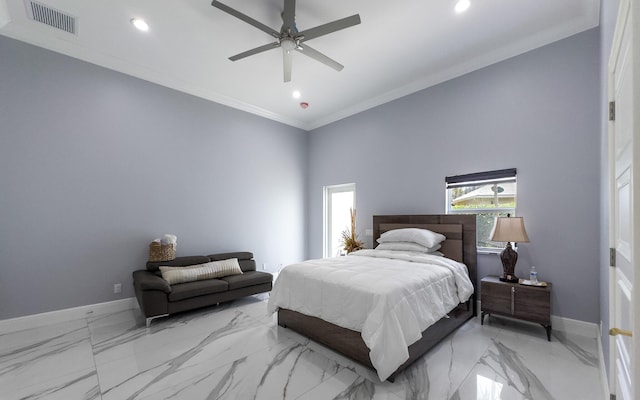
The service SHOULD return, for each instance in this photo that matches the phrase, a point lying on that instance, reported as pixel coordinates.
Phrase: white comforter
(388, 296)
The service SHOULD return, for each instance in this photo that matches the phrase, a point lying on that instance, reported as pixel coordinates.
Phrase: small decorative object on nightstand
(509, 229)
(526, 302)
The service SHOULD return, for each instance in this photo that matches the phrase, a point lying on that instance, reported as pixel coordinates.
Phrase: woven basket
(161, 252)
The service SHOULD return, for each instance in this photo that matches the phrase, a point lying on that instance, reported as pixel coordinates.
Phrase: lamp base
(509, 258)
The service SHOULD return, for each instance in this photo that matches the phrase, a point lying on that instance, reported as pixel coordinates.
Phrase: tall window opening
(489, 195)
(338, 199)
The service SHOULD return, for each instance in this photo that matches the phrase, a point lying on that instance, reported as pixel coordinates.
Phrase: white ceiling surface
(399, 48)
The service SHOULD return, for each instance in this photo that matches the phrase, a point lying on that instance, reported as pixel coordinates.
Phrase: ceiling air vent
(50, 16)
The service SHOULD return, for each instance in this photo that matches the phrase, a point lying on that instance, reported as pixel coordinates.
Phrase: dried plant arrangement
(349, 238)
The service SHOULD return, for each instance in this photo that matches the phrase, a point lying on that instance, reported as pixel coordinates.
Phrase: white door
(624, 162)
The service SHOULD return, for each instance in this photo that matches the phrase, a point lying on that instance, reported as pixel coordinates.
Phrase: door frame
(327, 210)
(631, 11)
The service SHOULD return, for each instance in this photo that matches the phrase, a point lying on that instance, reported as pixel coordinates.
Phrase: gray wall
(538, 112)
(95, 164)
(608, 14)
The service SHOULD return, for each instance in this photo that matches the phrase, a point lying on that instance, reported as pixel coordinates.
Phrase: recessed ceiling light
(296, 94)
(462, 5)
(140, 24)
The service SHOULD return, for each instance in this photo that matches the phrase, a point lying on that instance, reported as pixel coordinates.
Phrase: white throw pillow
(210, 270)
(424, 237)
(407, 246)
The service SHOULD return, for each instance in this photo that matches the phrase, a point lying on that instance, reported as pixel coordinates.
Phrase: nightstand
(527, 303)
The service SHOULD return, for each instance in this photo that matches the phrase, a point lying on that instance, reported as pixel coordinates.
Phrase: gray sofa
(158, 299)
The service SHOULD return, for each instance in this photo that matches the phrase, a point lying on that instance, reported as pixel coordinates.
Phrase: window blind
(501, 175)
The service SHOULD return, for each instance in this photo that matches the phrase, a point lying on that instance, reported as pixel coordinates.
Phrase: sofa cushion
(249, 278)
(210, 270)
(245, 259)
(247, 265)
(240, 255)
(177, 262)
(188, 290)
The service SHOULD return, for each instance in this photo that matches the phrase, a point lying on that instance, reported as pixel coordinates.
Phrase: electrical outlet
(264, 267)
(117, 288)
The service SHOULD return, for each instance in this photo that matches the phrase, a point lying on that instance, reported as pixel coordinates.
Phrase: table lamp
(509, 229)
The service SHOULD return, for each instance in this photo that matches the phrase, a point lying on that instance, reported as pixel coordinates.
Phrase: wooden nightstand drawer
(496, 305)
(532, 312)
(533, 304)
(532, 293)
(516, 301)
(499, 291)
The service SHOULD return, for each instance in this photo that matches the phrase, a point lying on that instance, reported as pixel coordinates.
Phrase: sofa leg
(154, 317)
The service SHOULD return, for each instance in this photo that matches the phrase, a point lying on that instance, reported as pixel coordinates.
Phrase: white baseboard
(69, 314)
(568, 325)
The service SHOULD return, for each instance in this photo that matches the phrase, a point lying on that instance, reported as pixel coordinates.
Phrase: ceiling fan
(289, 39)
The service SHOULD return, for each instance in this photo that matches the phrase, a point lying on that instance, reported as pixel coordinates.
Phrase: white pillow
(407, 246)
(421, 236)
(210, 270)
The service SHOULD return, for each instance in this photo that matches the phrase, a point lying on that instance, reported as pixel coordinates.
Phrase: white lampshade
(509, 229)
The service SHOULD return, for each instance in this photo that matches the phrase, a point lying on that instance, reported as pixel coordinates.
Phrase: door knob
(618, 331)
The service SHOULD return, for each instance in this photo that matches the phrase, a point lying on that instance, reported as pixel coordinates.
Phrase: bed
(407, 344)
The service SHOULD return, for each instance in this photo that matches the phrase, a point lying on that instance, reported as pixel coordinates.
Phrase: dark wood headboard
(460, 230)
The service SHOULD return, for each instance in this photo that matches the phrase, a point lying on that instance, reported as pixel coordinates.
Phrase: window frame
(481, 179)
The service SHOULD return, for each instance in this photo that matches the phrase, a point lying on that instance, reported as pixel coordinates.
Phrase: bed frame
(460, 245)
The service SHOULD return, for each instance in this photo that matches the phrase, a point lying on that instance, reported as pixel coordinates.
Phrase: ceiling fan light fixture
(288, 44)
(462, 5)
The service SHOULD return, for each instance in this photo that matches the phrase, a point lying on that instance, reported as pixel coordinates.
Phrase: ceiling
(399, 48)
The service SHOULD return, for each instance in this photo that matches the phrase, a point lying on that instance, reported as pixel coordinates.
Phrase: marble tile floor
(237, 351)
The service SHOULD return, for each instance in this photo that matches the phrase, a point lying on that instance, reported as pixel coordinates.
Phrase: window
(338, 200)
(489, 195)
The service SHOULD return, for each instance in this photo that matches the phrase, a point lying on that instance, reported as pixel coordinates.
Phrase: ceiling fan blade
(245, 18)
(255, 51)
(330, 27)
(289, 16)
(316, 55)
(287, 61)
